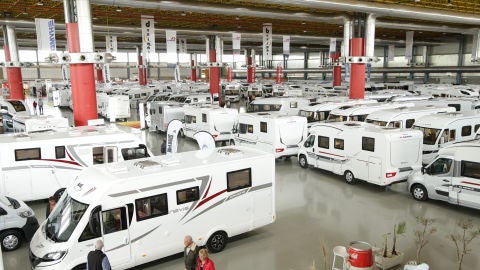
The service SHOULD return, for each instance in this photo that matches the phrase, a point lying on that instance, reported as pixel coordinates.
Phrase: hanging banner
(219, 48)
(333, 45)
(148, 35)
(286, 45)
(171, 37)
(391, 52)
(236, 40)
(46, 34)
(205, 140)
(409, 45)
(182, 45)
(111, 44)
(172, 133)
(267, 42)
(207, 50)
(176, 73)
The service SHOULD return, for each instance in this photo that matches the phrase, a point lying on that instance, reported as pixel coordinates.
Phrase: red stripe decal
(68, 154)
(209, 198)
(326, 153)
(63, 161)
(470, 183)
(206, 192)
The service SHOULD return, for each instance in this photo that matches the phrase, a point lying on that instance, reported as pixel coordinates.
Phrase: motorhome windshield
(337, 118)
(64, 219)
(231, 92)
(264, 107)
(17, 105)
(257, 93)
(430, 135)
(376, 122)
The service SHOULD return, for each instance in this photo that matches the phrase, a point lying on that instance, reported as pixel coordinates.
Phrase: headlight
(25, 214)
(54, 256)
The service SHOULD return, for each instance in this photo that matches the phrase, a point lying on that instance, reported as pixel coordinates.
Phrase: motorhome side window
(137, 95)
(27, 154)
(263, 127)
(188, 195)
(409, 123)
(323, 142)
(338, 144)
(476, 128)
(470, 169)
(190, 119)
(151, 207)
(456, 106)
(114, 220)
(204, 117)
(466, 131)
(310, 141)
(152, 111)
(293, 104)
(244, 128)
(239, 179)
(452, 135)
(59, 152)
(368, 144)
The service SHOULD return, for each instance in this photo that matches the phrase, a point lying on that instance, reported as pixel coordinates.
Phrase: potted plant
(421, 238)
(463, 239)
(390, 258)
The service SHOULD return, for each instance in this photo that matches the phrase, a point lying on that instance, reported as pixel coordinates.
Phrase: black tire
(58, 194)
(419, 192)
(232, 142)
(80, 267)
(11, 240)
(217, 242)
(349, 178)
(302, 161)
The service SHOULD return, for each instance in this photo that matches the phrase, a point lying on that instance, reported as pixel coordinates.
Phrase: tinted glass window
(239, 179)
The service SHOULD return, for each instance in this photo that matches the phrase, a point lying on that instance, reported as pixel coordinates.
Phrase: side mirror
(423, 170)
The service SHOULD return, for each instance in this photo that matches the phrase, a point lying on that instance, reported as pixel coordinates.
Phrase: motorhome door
(374, 169)
(438, 175)
(116, 236)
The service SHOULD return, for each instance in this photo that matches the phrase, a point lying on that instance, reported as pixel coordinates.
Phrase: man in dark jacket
(190, 253)
(97, 260)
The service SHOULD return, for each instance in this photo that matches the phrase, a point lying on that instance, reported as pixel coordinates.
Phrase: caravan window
(151, 207)
(409, 123)
(190, 119)
(204, 117)
(466, 131)
(92, 230)
(323, 142)
(135, 152)
(310, 141)
(114, 220)
(27, 154)
(338, 144)
(476, 128)
(470, 169)
(263, 127)
(160, 110)
(137, 95)
(59, 152)
(144, 94)
(188, 195)
(368, 144)
(293, 104)
(152, 111)
(239, 179)
(452, 135)
(244, 128)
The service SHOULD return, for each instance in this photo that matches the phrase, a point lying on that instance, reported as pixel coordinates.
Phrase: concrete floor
(316, 209)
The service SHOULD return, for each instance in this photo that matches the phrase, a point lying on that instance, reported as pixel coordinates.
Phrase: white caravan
(39, 123)
(318, 112)
(272, 132)
(35, 165)
(282, 105)
(113, 107)
(143, 209)
(443, 129)
(15, 107)
(447, 90)
(404, 117)
(232, 92)
(460, 104)
(360, 112)
(454, 176)
(356, 150)
(138, 95)
(219, 122)
(279, 89)
(161, 113)
(254, 90)
(62, 97)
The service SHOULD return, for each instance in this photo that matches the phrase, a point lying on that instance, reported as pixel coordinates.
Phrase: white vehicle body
(271, 132)
(35, 165)
(460, 104)
(138, 95)
(279, 90)
(318, 112)
(453, 176)
(62, 97)
(381, 156)
(254, 90)
(219, 122)
(404, 117)
(232, 92)
(294, 90)
(447, 90)
(282, 105)
(113, 106)
(195, 189)
(360, 112)
(410, 98)
(199, 99)
(39, 123)
(443, 129)
(161, 113)
(267, 90)
(15, 107)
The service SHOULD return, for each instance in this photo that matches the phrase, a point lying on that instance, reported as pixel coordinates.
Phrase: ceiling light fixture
(237, 18)
(118, 9)
(449, 3)
(416, 1)
(183, 13)
(39, 3)
(304, 23)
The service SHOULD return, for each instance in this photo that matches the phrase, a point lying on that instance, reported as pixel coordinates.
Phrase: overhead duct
(370, 36)
(476, 46)
(443, 69)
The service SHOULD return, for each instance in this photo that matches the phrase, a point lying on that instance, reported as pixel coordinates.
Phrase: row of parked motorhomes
(107, 180)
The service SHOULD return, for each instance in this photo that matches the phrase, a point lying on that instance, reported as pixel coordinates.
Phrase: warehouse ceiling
(311, 29)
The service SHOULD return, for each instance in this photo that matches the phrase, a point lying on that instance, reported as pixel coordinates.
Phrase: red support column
(194, 71)
(142, 78)
(357, 71)
(337, 70)
(229, 77)
(214, 75)
(82, 76)
(278, 78)
(99, 74)
(250, 70)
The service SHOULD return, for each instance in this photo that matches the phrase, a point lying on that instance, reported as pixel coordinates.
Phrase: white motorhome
(460, 104)
(360, 112)
(318, 112)
(272, 132)
(62, 97)
(453, 176)
(267, 90)
(282, 105)
(404, 117)
(161, 113)
(39, 123)
(232, 92)
(15, 107)
(447, 90)
(254, 90)
(113, 107)
(356, 150)
(219, 122)
(279, 90)
(138, 95)
(443, 129)
(141, 219)
(36, 165)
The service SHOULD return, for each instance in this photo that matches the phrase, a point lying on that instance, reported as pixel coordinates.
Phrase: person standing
(34, 107)
(51, 204)
(97, 260)
(204, 262)
(190, 253)
(163, 147)
(40, 106)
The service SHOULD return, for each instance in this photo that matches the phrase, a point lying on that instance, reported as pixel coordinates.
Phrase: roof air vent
(352, 124)
(145, 164)
(231, 152)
